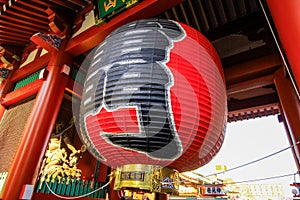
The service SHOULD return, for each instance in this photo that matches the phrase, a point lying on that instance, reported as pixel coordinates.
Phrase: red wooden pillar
(39, 127)
(2, 111)
(2, 107)
(289, 137)
(291, 110)
(286, 17)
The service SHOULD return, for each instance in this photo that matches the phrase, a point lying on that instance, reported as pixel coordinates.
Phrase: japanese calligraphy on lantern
(152, 91)
(109, 8)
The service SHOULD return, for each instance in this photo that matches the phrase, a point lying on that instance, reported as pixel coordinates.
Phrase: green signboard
(105, 9)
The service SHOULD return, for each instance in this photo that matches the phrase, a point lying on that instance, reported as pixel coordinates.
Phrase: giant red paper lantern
(154, 94)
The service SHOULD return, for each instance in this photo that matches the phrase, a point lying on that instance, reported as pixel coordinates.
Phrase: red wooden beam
(14, 34)
(21, 8)
(31, 67)
(21, 26)
(7, 36)
(15, 21)
(33, 7)
(22, 93)
(96, 34)
(28, 17)
(249, 84)
(252, 69)
(77, 90)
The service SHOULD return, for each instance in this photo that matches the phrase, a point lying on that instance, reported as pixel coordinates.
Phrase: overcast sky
(248, 140)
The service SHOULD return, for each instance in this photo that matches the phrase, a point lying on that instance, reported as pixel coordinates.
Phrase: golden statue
(57, 162)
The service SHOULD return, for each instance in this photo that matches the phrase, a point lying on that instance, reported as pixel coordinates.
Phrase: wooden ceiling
(19, 20)
(237, 29)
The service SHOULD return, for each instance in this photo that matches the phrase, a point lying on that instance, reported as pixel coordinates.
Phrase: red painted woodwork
(34, 19)
(291, 108)
(113, 194)
(28, 11)
(2, 111)
(38, 128)
(22, 93)
(250, 84)
(252, 69)
(7, 85)
(286, 17)
(30, 68)
(289, 137)
(77, 90)
(96, 34)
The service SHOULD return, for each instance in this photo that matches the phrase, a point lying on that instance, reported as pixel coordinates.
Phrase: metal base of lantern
(148, 178)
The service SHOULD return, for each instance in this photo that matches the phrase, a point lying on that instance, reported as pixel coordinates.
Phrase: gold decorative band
(148, 178)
